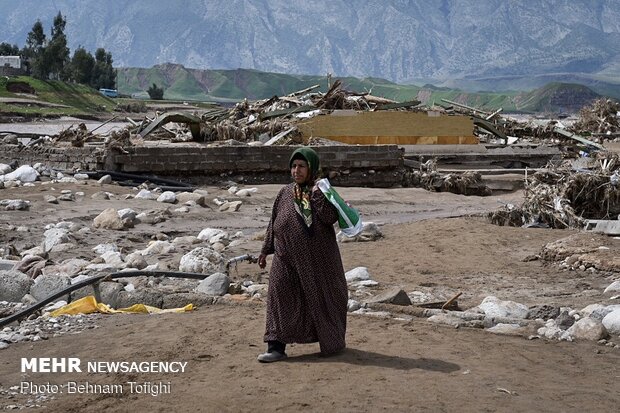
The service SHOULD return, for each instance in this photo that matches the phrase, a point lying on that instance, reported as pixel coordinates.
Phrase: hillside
(26, 96)
(233, 85)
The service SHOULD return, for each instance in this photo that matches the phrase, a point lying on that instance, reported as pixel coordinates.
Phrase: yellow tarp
(89, 304)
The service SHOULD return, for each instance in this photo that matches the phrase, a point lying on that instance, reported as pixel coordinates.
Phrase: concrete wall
(371, 165)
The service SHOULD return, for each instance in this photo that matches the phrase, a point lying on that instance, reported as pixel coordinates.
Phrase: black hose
(121, 274)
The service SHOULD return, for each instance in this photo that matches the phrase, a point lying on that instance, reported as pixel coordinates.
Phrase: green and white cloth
(349, 219)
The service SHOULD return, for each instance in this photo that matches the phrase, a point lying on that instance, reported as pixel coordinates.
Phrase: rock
(50, 199)
(600, 313)
(15, 204)
(108, 219)
(357, 274)
(135, 260)
(552, 331)
(145, 194)
(55, 236)
(4, 345)
(113, 258)
(46, 285)
(208, 233)
(614, 287)
(14, 285)
(167, 197)
(612, 322)
(179, 300)
(203, 260)
(231, 206)
(353, 305)
(4, 168)
(392, 296)
(564, 320)
(184, 197)
(588, 329)
(82, 177)
(158, 247)
(246, 191)
(544, 312)
(105, 179)
(24, 173)
(446, 319)
(101, 195)
(494, 307)
(70, 267)
(214, 284)
(507, 329)
(102, 248)
(146, 296)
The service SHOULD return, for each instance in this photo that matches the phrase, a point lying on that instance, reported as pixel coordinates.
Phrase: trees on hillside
(51, 59)
(156, 92)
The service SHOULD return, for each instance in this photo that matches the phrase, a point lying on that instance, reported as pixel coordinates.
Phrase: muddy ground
(436, 243)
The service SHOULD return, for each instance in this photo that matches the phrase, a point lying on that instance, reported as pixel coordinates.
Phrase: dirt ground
(435, 243)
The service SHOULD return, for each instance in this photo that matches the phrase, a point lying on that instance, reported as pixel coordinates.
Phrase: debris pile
(601, 117)
(567, 195)
(427, 177)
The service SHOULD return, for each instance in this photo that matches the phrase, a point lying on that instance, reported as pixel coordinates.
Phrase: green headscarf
(302, 193)
(308, 155)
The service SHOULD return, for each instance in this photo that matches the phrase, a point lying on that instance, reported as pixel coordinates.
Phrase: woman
(307, 296)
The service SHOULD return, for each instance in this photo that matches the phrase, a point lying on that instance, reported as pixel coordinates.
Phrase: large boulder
(14, 285)
(588, 329)
(494, 307)
(214, 284)
(48, 284)
(202, 260)
(108, 219)
(612, 322)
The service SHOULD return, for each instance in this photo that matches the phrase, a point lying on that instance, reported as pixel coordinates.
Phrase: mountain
(182, 83)
(463, 43)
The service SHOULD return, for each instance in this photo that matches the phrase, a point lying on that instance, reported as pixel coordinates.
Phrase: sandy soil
(435, 243)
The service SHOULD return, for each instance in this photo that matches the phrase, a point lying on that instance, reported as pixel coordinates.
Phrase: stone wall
(66, 159)
(346, 165)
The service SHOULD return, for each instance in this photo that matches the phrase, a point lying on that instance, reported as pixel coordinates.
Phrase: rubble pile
(566, 196)
(599, 117)
(427, 177)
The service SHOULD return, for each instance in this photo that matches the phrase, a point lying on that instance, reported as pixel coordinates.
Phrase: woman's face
(300, 171)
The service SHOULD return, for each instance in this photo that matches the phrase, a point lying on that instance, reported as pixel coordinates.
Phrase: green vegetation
(51, 98)
(50, 59)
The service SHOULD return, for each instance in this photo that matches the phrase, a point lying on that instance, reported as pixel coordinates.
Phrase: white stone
(127, 213)
(588, 329)
(208, 233)
(494, 307)
(113, 258)
(203, 260)
(158, 247)
(105, 179)
(612, 322)
(55, 236)
(167, 197)
(108, 219)
(357, 274)
(507, 329)
(24, 173)
(101, 248)
(83, 177)
(613, 287)
(145, 194)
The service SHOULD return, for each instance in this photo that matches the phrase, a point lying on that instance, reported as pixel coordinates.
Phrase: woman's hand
(262, 260)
